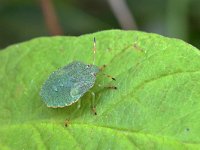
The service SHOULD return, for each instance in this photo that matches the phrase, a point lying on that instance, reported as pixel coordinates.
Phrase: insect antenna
(94, 50)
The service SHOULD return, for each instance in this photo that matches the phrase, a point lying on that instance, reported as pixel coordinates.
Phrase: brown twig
(50, 17)
(123, 14)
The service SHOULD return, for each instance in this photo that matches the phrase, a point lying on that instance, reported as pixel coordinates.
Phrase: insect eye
(87, 66)
(94, 74)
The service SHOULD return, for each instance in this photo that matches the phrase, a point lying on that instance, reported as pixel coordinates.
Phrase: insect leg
(102, 67)
(67, 122)
(108, 87)
(92, 103)
(111, 87)
(109, 76)
(79, 104)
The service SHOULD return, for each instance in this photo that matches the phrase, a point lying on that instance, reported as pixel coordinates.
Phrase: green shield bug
(67, 85)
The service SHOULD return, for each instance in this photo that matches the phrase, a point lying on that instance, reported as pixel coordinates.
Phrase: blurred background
(22, 20)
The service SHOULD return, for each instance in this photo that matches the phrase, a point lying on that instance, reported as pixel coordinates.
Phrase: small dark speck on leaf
(109, 49)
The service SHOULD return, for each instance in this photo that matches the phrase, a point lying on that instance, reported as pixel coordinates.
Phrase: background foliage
(22, 19)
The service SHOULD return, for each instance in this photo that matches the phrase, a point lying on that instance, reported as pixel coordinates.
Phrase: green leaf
(156, 105)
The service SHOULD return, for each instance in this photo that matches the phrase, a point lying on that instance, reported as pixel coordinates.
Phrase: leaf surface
(156, 105)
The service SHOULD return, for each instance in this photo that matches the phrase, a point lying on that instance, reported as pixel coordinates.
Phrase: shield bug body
(68, 84)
